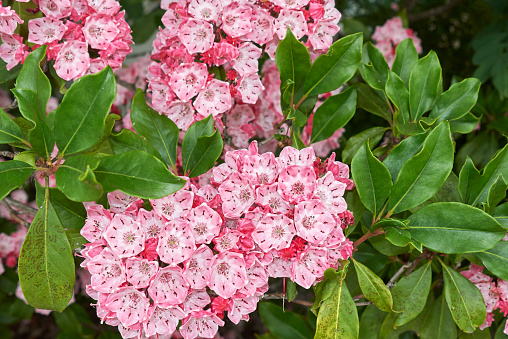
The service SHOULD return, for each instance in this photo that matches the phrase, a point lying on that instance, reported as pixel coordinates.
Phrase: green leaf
(425, 85)
(40, 137)
(374, 135)
(9, 130)
(338, 317)
(478, 334)
(128, 141)
(404, 151)
(372, 179)
(421, 176)
(457, 101)
(210, 149)
(291, 291)
(370, 324)
(497, 193)
(497, 166)
(137, 173)
(331, 70)
(371, 101)
(296, 140)
(467, 178)
(68, 322)
(397, 236)
(26, 156)
(500, 331)
(293, 61)
(500, 213)
(333, 114)
(13, 174)
(374, 68)
(464, 125)
(406, 57)
(103, 146)
(8, 75)
(439, 324)
(75, 178)
(496, 259)
(282, 324)
(399, 95)
(373, 288)
(464, 300)
(81, 115)
(451, 227)
(410, 294)
(158, 130)
(46, 263)
(299, 119)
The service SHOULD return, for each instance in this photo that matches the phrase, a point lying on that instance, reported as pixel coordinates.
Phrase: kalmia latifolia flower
(211, 247)
(82, 36)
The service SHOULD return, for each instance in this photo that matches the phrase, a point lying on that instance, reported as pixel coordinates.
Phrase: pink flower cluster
(71, 29)
(209, 249)
(391, 34)
(200, 36)
(495, 294)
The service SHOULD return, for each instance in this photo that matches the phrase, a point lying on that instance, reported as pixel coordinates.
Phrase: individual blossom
(313, 222)
(228, 274)
(297, 183)
(107, 270)
(331, 193)
(181, 113)
(200, 324)
(140, 271)
(9, 20)
(205, 223)
(237, 195)
(322, 34)
(176, 242)
(12, 50)
(188, 80)
(208, 10)
(197, 267)
(125, 236)
(98, 219)
(174, 206)
(45, 30)
(294, 20)
(196, 35)
(129, 304)
(236, 19)
(274, 231)
(250, 87)
(247, 60)
(261, 169)
(56, 9)
(214, 99)
(169, 287)
(310, 266)
(100, 31)
(72, 60)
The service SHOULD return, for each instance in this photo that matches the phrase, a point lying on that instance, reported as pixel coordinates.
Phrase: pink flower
(169, 287)
(72, 60)
(196, 35)
(125, 236)
(176, 242)
(262, 27)
(12, 50)
(291, 4)
(188, 80)
(313, 222)
(204, 223)
(182, 114)
(140, 271)
(237, 195)
(162, 321)
(274, 231)
(45, 30)
(228, 274)
(151, 222)
(331, 192)
(214, 99)
(294, 20)
(196, 300)
(292, 156)
(200, 324)
(107, 271)
(100, 31)
(207, 10)
(322, 34)
(247, 60)
(56, 9)
(250, 87)
(197, 268)
(223, 53)
(129, 304)
(269, 197)
(174, 206)
(97, 221)
(297, 183)
(108, 7)
(309, 267)
(241, 308)
(236, 19)
(9, 20)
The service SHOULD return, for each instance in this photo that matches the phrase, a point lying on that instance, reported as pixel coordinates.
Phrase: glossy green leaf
(8, 75)
(497, 193)
(26, 156)
(208, 150)
(338, 317)
(293, 61)
(372, 178)
(68, 322)
(439, 324)
(404, 151)
(451, 227)
(13, 174)
(158, 130)
(370, 324)
(46, 263)
(287, 325)
(397, 236)
(196, 130)
(425, 85)
(500, 331)
(457, 101)
(296, 139)
(399, 95)
(497, 166)
(40, 137)
(103, 142)
(333, 114)
(374, 68)
(478, 334)
(374, 135)
(500, 213)
(329, 71)
(421, 176)
(373, 288)
(406, 57)
(75, 178)
(467, 178)
(496, 259)
(371, 101)
(9, 130)
(464, 300)
(81, 115)
(299, 119)
(410, 294)
(137, 173)
(128, 141)
(465, 124)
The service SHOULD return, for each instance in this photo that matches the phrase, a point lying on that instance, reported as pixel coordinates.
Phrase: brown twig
(367, 236)
(401, 270)
(8, 154)
(13, 105)
(14, 214)
(22, 207)
(364, 303)
(432, 12)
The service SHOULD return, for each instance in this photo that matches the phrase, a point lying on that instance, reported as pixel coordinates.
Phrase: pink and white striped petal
(188, 80)
(129, 304)
(197, 268)
(204, 223)
(176, 242)
(151, 222)
(174, 206)
(237, 195)
(297, 183)
(140, 271)
(214, 99)
(107, 270)
(228, 274)
(125, 236)
(261, 169)
(331, 192)
(268, 196)
(294, 20)
(247, 60)
(196, 35)
(236, 20)
(169, 287)
(313, 222)
(208, 10)
(250, 87)
(274, 231)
